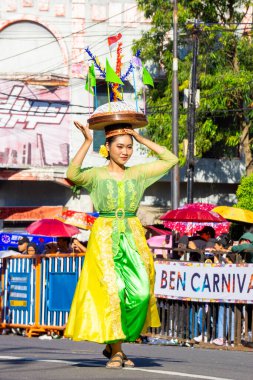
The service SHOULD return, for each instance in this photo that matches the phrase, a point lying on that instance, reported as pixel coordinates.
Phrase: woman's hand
(135, 134)
(85, 130)
(144, 141)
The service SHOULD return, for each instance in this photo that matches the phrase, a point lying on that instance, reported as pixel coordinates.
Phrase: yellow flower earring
(103, 151)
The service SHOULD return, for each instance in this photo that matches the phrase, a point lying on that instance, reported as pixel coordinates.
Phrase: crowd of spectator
(205, 246)
(65, 245)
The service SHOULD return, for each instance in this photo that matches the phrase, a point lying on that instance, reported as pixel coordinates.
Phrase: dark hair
(207, 230)
(64, 238)
(23, 240)
(114, 127)
(51, 247)
(34, 246)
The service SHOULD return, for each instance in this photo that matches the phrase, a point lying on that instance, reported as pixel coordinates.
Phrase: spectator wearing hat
(22, 245)
(245, 247)
(223, 243)
(223, 246)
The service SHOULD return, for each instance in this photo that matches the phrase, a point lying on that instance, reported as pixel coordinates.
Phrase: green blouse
(109, 194)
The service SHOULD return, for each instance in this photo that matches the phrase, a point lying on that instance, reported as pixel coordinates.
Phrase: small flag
(111, 76)
(146, 77)
(113, 40)
(90, 80)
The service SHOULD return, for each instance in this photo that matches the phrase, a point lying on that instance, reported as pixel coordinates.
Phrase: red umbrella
(192, 214)
(200, 205)
(52, 227)
(189, 228)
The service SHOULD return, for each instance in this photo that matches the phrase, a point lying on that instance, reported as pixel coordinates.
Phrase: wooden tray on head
(100, 120)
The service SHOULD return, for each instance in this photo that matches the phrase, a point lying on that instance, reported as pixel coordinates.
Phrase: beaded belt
(120, 213)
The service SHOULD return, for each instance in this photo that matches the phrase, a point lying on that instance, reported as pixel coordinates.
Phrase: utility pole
(191, 117)
(175, 175)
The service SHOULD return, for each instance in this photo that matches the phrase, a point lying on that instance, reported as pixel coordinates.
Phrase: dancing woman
(114, 299)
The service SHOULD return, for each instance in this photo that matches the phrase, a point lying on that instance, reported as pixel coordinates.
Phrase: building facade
(43, 66)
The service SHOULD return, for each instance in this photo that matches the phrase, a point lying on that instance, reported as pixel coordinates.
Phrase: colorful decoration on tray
(112, 41)
(115, 78)
(91, 80)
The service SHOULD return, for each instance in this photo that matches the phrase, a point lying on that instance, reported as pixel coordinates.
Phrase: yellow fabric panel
(95, 312)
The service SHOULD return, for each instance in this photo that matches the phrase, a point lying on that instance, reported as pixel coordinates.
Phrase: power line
(54, 68)
(149, 111)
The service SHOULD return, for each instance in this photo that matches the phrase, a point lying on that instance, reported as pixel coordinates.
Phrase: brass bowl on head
(99, 121)
(116, 113)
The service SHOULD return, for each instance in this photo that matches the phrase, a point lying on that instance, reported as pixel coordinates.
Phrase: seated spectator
(64, 245)
(32, 249)
(245, 247)
(22, 245)
(78, 246)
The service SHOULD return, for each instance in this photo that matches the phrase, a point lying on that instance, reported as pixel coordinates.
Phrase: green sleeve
(241, 247)
(80, 177)
(155, 170)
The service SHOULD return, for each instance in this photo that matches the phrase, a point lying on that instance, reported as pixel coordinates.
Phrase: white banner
(204, 282)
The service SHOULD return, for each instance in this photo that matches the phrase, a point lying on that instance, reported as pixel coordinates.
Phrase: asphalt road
(23, 358)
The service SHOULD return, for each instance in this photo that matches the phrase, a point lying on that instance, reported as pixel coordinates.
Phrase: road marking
(39, 360)
(182, 374)
(68, 362)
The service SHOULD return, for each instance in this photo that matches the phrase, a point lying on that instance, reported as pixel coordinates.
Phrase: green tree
(244, 193)
(225, 75)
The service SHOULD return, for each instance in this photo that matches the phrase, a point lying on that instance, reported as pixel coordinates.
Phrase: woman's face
(121, 149)
(31, 250)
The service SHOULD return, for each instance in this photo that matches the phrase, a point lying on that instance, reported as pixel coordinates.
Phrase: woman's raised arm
(81, 153)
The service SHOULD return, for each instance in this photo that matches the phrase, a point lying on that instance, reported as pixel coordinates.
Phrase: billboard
(34, 125)
(9, 240)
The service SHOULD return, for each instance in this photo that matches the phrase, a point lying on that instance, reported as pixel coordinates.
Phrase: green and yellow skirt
(114, 298)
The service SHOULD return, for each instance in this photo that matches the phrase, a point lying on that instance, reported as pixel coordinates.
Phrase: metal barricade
(59, 276)
(18, 291)
(37, 291)
(186, 319)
